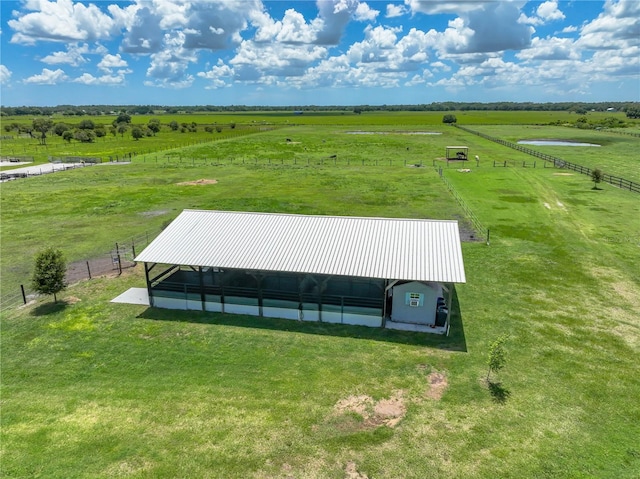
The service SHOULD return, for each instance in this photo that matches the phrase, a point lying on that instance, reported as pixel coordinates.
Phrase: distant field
(116, 146)
(96, 389)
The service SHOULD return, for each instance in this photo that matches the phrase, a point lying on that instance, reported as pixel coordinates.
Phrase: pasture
(95, 389)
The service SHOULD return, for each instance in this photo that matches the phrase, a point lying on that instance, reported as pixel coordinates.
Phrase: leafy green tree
(154, 126)
(174, 125)
(123, 117)
(596, 177)
(42, 126)
(67, 136)
(497, 357)
(84, 136)
(49, 272)
(60, 128)
(137, 133)
(122, 129)
(633, 112)
(100, 131)
(86, 125)
(449, 118)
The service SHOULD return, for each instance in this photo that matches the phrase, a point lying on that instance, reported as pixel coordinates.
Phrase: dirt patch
(437, 385)
(351, 472)
(71, 300)
(563, 174)
(153, 213)
(202, 181)
(385, 412)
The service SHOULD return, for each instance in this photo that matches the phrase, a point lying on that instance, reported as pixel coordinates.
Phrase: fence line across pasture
(558, 162)
(113, 262)
(482, 231)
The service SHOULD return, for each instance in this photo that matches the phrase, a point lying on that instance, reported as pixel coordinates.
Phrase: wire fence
(113, 262)
(559, 162)
(482, 231)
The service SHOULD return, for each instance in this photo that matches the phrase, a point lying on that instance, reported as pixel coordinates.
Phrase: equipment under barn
(379, 272)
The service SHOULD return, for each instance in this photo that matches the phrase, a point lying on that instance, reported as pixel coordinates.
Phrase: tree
(596, 177)
(49, 272)
(449, 118)
(123, 118)
(60, 128)
(154, 126)
(497, 357)
(122, 129)
(174, 125)
(42, 126)
(85, 136)
(633, 112)
(137, 133)
(86, 125)
(67, 136)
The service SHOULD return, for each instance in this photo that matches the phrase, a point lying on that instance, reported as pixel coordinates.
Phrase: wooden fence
(559, 162)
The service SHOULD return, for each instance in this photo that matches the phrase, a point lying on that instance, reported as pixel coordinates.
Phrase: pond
(554, 143)
(360, 132)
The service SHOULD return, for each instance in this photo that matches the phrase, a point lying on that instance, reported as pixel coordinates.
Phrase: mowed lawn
(96, 389)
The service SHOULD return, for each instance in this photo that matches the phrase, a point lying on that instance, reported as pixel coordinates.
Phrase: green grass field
(96, 389)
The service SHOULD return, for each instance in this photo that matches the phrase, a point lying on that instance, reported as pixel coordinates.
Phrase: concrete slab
(417, 328)
(133, 296)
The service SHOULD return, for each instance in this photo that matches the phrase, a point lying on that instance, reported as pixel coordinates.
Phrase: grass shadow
(499, 393)
(454, 342)
(50, 307)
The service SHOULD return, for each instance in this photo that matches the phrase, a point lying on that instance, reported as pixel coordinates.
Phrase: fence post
(24, 296)
(488, 236)
(119, 262)
(88, 270)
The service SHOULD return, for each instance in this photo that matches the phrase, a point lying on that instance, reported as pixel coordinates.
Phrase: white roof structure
(384, 248)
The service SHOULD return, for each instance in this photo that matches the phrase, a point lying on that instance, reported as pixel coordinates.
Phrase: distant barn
(378, 272)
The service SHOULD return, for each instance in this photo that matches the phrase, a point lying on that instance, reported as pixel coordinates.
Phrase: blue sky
(327, 52)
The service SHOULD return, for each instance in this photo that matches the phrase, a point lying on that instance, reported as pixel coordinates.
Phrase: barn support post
(202, 297)
(146, 274)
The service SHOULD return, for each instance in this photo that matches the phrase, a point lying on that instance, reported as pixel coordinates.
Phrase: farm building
(379, 272)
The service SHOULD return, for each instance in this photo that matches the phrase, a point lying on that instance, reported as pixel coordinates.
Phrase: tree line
(632, 109)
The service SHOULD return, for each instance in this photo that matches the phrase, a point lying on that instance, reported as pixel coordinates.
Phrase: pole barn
(378, 272)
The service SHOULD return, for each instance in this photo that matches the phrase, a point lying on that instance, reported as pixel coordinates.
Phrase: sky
(325, 52)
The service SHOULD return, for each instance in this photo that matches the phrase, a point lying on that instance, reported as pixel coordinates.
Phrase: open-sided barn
(379, 272)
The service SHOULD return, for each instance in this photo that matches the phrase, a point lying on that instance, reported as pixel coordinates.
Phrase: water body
(360, 132)
(554, 143)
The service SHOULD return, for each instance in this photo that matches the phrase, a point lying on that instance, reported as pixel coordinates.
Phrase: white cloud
(110, 62)
(549, 11)
(218, 76)
(617, 27)
(108, 79)
(73, 56)
(394, 10)
(61, 20)
(432, 7)
(5, 75)
(550, 49)
(168, 67)
(364, 13)
(570, 29)
(47, 77)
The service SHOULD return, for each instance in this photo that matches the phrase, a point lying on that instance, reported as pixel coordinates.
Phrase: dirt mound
(385, 412)
(437, 385)
(202, 181)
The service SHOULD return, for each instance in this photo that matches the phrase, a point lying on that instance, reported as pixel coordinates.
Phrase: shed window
(414, 299)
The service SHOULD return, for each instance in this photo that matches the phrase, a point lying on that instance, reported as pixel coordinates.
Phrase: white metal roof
(386, 248)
